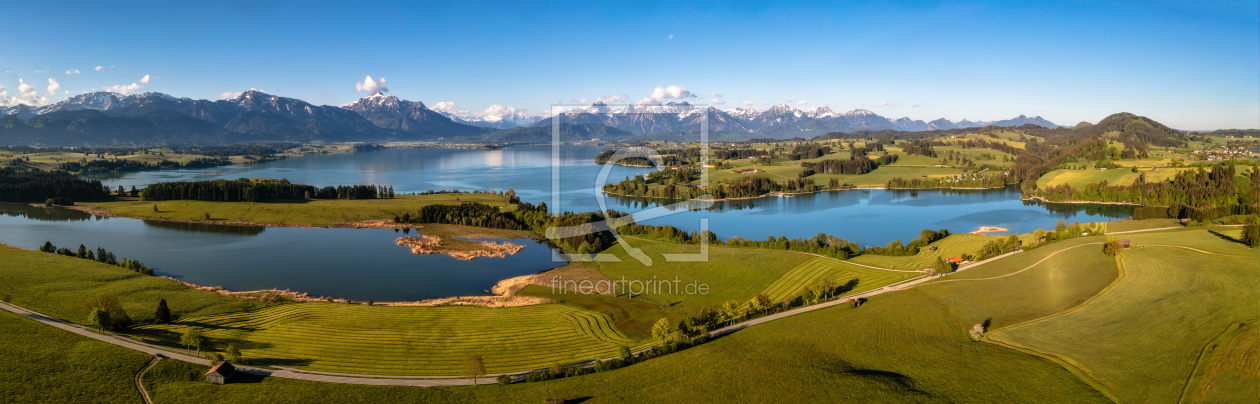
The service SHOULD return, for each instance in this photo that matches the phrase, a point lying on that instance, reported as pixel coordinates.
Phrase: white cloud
(371, 86)
(448, 107)
(880, 104)
(124, 89)
(717, 101)
(671, 36)
(667, 93)
(26, 95)
(715, 94)
(53, 87)
(789, 99)
(613, 99)
(802, 102)
(99, 68)
(748, 103)
(914, 106)
(67, 92)
(72, 71)
(145, 79)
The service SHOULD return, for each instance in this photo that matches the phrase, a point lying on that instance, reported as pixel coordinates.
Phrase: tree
(624, 354)
(118, 318)
(662, 329)
(234, 354)
(941, 266)
(977, 332)
(1111, 248)
(1038, 235)
(163, 314)
(100, 319)
(731, 310)
(474, 366)
(504, 380)
(556, 369)
(155, 207)
(760, 303)
(82, 252)
(192, 338)
(48, 247)
(1251, 233)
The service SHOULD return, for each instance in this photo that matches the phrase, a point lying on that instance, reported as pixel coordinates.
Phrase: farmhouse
(955, 260)
(220, 373)
(1125, 243)
(750, 171)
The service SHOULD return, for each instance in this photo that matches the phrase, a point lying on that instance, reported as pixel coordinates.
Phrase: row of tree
(1197, 190)
(100, 255)
(104, 165)
(955, 181)
(246, 190)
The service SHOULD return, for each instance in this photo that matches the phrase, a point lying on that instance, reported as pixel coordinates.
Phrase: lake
(365, 264)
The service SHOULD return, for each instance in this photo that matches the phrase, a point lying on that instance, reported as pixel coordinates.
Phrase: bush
(504, 380)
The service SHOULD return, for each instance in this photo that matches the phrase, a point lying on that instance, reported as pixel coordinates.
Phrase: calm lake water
(365, 264)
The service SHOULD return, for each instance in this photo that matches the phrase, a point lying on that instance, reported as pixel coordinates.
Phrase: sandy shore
(990, 229)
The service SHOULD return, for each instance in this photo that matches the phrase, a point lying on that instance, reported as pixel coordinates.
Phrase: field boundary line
(1071, 366)
(1198, 250)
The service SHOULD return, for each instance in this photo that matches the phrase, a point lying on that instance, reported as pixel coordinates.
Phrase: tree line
(100, 255)
(245, 190)
(856, 165)
(93, 166)
(1197, 194)
(954, 181)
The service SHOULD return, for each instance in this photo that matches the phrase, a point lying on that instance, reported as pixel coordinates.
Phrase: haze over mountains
(104, 118)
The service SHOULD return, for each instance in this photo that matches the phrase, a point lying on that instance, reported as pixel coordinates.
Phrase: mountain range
(105, 118)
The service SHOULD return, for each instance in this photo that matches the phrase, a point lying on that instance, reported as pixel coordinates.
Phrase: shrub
(504, 380)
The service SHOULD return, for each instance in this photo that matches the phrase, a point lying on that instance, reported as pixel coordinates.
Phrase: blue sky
(1190, 66)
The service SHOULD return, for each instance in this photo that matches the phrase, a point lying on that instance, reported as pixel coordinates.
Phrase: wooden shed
(1125, 243)
(220, 373)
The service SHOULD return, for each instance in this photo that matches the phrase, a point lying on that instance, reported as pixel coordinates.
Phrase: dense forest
(858, 164)
(955, 181)
(39, 185)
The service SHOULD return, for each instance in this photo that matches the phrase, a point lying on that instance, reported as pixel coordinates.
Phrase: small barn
(955, 260)
(1125, 243)
(220, 373)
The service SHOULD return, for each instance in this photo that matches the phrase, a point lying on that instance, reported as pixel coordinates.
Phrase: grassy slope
(320, 212)
(901, 347)
(731, 273)
(1061, 282)
(1141, 338)
(634, 317)
(60, 286)
(407, 340)
(1229, 368)
(41, 364)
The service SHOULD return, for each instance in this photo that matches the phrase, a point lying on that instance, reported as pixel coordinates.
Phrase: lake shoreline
(792, 194)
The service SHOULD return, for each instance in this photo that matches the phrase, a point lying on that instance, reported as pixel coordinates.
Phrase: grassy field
(1081, 178)
(406, 340)
(1216, 239)
(794, 282)
(316, 212)
(900, 347)
(1132, 225)
(952, 246)
(42, 364)
(1142, 337)
(60, 286)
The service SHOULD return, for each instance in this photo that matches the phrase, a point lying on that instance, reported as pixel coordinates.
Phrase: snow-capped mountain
(389, 112)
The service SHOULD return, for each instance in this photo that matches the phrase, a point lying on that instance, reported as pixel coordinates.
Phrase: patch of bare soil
(472, 249)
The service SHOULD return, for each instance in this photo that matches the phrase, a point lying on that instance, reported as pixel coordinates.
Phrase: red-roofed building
(220, 373)
(955, 260)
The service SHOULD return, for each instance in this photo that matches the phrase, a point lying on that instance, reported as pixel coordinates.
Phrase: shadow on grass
(1222, 236)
